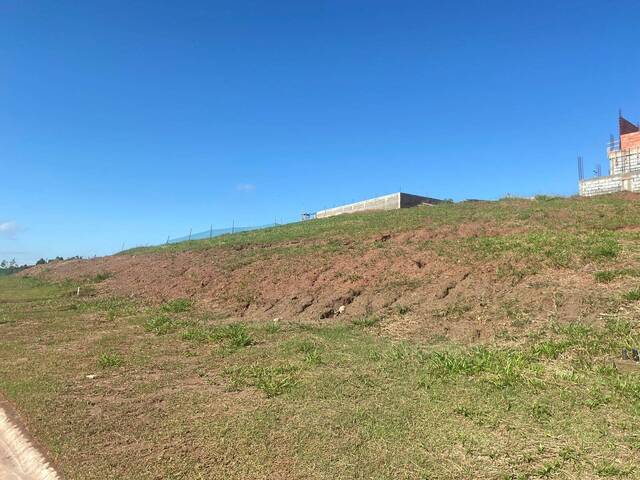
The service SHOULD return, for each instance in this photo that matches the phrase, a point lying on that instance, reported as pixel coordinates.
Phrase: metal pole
(190, 233)
(210, 231)
(233, 226)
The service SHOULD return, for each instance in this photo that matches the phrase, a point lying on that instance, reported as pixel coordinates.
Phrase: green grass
(110, 360)
(160, 324)
(607, 276)
(632, 296)
(177, 305)
(236, 335)
(366, 321)
(560, 231)
(181, 393)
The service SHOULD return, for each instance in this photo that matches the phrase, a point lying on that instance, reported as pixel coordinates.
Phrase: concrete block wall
(611, 184)
(623, 161)
(386, 202)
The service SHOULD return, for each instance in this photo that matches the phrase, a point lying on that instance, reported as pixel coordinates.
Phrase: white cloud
(245, 187)
(8, 229)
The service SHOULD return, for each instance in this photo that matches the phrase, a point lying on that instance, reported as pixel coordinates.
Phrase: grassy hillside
(116, 390)
(477, 340)
(571, 216)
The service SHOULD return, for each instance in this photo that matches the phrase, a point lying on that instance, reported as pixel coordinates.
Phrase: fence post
(190, 233)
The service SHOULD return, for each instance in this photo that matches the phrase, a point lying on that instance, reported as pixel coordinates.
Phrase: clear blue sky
(126, 121)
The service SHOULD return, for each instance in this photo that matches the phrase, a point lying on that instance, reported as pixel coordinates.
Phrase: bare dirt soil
(417, 292)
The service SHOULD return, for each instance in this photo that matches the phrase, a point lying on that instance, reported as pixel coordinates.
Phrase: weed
(541, 411)
(517, 316)
(160, 325)
(314, 357)
(273, 327)
(200, 334)
(110, 360)
(632, 296)
(237, 335)
(550, 349)
(177, 305)
(605, 276)
(273, 381)
(100, 277)
(609, 469)
(453, 311)
(366, 321)
(548, 469)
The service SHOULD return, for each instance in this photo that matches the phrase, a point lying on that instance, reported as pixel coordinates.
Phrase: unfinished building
(392, 201)
(624, 164)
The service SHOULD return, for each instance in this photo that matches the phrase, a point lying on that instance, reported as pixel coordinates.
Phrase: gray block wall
(629, 182)
(392, 201)
(624, 161)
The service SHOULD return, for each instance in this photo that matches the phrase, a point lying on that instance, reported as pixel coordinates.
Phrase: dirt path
(19, 458)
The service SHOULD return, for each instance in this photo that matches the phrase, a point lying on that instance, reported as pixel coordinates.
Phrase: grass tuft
(160, 325)
(178, 305)
(366, 321)
(110, 360)
(632, 296)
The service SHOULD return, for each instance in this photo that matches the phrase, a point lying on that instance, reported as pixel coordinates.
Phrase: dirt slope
(467, 273)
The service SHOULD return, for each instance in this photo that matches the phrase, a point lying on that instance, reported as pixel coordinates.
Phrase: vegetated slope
(512, 318)
(466, 271)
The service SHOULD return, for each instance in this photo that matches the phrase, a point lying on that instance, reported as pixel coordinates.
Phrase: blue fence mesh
(216, 232)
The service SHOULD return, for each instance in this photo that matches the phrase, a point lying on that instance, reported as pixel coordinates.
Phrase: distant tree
(3, 264)
(59, 259)
(42, 261)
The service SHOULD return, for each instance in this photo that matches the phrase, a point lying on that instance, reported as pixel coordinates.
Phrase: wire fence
(216, 232)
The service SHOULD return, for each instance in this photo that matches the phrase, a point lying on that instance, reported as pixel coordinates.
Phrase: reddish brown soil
(415, 292)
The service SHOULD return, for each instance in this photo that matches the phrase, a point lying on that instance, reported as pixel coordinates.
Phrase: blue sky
(127, 121)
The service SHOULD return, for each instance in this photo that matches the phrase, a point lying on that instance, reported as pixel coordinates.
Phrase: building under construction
(624, 164)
